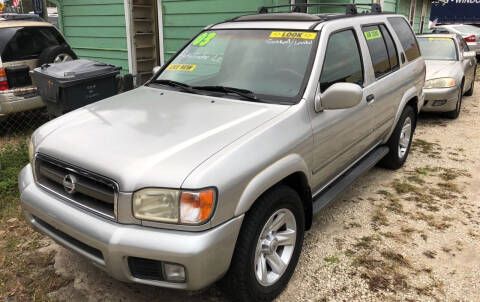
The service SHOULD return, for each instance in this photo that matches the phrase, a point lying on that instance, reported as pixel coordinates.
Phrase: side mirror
(469, 55)
(339, 96)
(156, 69)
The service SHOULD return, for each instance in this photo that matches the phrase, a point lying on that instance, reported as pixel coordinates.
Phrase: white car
(470, 33)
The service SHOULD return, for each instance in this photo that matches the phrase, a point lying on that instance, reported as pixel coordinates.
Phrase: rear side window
(29, 42)
(391, 48)
(406, 37)
(377, 49)
(343, 62)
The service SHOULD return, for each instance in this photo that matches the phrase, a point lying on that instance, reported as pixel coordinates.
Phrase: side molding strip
(331, 192)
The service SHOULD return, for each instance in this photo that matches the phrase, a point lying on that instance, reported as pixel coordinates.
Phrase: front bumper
(205, 255)
(432, 96)
(19, 100)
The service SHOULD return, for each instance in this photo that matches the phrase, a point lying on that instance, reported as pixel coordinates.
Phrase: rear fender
(407, 96)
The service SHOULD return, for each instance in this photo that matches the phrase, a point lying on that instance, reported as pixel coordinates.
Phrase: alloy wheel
(63, 57)
(405, 136)
(275, 247)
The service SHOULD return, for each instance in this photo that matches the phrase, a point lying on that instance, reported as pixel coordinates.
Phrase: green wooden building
(140, 34)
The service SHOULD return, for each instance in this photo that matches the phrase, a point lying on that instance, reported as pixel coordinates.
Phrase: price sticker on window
(204, 39)
(182, 67)
(373, 34)
(292, 35)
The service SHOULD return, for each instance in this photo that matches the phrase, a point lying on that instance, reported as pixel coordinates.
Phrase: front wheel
(472, 87)
(268, 247)
(455, 113)
(400, 141)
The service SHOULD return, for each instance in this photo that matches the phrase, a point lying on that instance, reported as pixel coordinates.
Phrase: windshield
(467, 29)
(271, 64)
(438, 49)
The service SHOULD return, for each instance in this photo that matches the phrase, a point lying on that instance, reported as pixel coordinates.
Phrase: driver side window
(343, 63)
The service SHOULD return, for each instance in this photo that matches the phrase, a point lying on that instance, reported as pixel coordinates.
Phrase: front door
(340, 136)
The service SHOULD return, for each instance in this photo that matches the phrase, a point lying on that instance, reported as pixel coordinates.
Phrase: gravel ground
(407, 235)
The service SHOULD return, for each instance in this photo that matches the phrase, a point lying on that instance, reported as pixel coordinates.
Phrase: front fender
(268, 177)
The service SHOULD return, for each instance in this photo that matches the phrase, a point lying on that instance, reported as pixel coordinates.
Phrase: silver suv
(215, 167)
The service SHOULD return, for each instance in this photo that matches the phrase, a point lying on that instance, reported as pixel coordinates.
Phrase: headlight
(174, 206)
(440, 83)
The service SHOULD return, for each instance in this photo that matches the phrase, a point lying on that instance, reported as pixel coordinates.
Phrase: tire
(470, 91)
(399, 148)
(56, 54)
(243, 281)
(455, 113)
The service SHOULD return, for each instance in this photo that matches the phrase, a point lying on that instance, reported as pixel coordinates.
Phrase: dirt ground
(406, 235)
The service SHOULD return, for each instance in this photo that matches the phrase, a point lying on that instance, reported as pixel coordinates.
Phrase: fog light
(439, 103)
(174, 272)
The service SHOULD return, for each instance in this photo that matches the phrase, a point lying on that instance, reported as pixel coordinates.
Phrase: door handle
(370, 98)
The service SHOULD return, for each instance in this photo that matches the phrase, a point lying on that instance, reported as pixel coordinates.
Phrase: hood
(148, 136)
(441, 69)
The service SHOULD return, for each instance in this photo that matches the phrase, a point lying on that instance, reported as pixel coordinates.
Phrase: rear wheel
(268, 247)
(455, 113)
(400, 141)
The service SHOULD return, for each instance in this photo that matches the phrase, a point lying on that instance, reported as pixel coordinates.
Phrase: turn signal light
(196, 207)
(3, 80)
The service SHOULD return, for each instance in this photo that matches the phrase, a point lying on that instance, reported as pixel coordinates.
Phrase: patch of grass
(432, 221)
(352, 225)
(349, 253)
(379, 218)
(396, 258)
(422, 171)
(25, 274)
(404, 187)
(385, 193)
(366, 242)
(442, 194)
(449, 186)
(13, 157)
(416, 179)
(430, 254)
(446, 249)
(425, 147)
(331, 259)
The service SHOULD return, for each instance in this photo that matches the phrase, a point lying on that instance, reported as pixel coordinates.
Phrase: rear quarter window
(29, 42)
(406, 36)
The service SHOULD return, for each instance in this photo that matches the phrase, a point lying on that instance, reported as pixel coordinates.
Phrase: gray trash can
(70, 85)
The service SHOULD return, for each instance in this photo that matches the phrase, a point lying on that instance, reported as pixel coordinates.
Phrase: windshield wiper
(183, 86)
(238, 91)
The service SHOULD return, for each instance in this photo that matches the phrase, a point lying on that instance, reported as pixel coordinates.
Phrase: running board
(331, 192)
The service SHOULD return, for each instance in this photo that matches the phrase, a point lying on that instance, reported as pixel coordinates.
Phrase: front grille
(92, 192)
(147, 269)
(78, 244)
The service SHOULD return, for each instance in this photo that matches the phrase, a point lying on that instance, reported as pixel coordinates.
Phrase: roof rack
(20, 17)
(350, 8)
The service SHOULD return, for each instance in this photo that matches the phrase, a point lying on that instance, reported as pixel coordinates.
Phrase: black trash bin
(70, 85)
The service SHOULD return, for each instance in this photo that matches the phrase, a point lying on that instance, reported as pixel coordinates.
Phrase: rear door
(384, 93)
